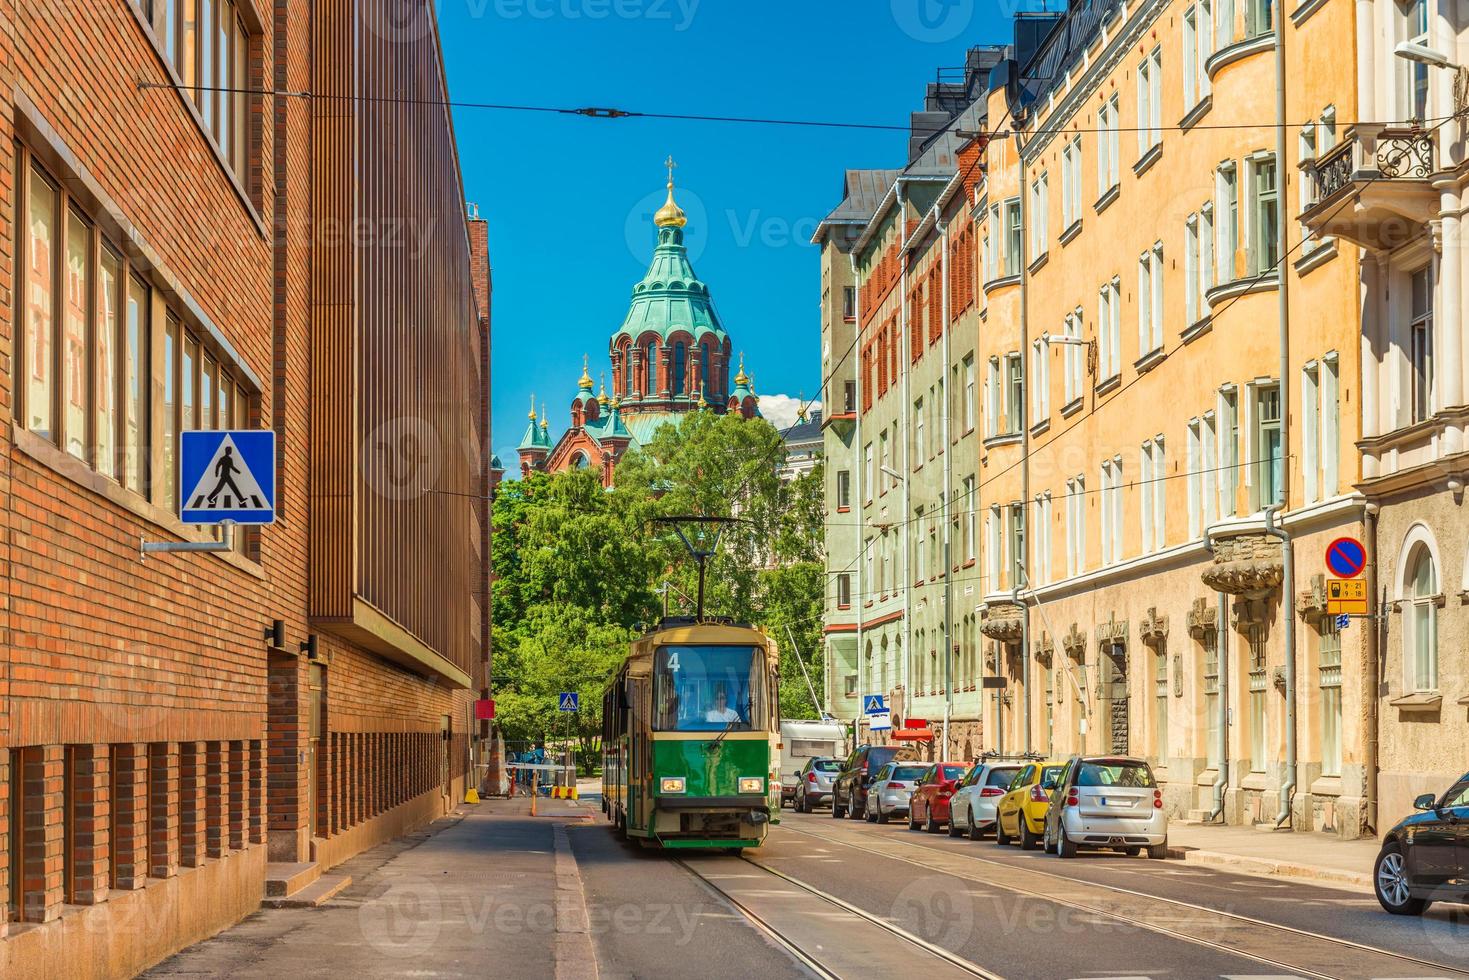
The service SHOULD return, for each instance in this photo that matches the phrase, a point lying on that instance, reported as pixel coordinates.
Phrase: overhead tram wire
(608, 112)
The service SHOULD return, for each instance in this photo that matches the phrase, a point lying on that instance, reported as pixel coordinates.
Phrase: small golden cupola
(670, 215)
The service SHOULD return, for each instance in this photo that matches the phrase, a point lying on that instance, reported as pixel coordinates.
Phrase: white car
(972, 810)
(891, 789)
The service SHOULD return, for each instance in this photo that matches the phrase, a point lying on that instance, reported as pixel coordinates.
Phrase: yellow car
(1021, 812)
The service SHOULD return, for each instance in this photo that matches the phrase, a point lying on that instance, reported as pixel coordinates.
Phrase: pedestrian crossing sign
(873, 704)
(227, 476)
(570, 701)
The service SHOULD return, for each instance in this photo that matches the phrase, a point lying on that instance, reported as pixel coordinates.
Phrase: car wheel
(974, 832)
(931, 825)
(855, 813)
(954, 829)
(1158, 852)
(1028, 841)
(1391, 881)
(912, 817)
(869, 813)
(837, 810)
(1001, 838)
(1065, 846)
(881, 817)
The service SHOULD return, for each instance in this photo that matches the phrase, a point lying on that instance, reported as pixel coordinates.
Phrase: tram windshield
(709, 689)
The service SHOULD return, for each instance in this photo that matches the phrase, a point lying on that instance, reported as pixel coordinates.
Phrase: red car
(929, 804)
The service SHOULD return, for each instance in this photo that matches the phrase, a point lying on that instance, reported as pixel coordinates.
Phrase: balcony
(1373, 189)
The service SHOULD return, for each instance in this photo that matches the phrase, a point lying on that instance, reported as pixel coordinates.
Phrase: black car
(849, 791)
(1425, 858)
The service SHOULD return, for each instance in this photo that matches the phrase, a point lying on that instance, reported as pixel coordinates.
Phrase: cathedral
(670, 356)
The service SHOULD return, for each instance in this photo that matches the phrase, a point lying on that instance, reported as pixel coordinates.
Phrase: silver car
(813, 784)
(891, 788)
(1107, 802)
(972, 810)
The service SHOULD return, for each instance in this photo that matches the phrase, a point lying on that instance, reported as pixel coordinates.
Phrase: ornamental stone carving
(1004, 621)
(1202, 619)
(1045, 649)
(1112, 632)
(1247, 565)
(1312, 601)
(1074, 643)
(1154, 628)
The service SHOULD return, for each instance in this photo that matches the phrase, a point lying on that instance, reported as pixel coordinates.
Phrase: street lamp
(893, 473)
(1423, 55)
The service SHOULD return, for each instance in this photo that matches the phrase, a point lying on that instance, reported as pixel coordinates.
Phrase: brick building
(180, 730)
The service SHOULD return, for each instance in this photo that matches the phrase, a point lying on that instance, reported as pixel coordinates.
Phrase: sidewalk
(489, 891)
(1313, 857)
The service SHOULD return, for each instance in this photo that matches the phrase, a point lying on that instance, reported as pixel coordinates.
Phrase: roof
(862, 192)
(670, 297)
(801, 432)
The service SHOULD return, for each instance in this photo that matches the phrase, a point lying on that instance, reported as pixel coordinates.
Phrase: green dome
(671, 296)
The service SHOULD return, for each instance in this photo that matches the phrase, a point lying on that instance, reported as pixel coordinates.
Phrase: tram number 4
(673, 661)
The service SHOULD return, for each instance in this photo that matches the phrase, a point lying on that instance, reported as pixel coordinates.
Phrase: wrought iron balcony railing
(1391, 154)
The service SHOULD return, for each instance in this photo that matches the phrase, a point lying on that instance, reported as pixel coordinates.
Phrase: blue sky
(569, 200)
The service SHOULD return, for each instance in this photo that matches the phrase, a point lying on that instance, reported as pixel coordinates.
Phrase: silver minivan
(1107, 802)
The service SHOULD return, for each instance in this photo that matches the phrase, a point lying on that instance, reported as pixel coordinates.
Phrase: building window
(885, 463)
(1268, 463)
(1328, 674)
(1072, 360)
(1202, 492)
(1420, 619)
(849, 302)
(1012, 237)
(1042, 570)
(209, 48)
(1198, 261)
(1265, 217)
(1150, 300)
(971, 519)
(969, 395)
(992, 549)
(1075, 525)
(1150, 102)
(992, 399)
(920, 447)
(1420, 331)
(1229, 474)
(1259, 683)
(1108, 142)
(1258, 17)
(1198, 44)
(1320, 416)
(849, 397)
(1413, 23)
(1111, 507)
(1019, 575)
(844, 489)
(1040, 382)
(921, 559)
(869, 576)
(1160, 701)
(1109, 329)
(1040, 194)
(1226, 211)
(1154, 493)
(1210, 675)
(867, 472)
(1014, 392)
(1071, 183)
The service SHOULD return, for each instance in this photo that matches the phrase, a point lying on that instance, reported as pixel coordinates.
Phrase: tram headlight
(671, 784)
(752, 784)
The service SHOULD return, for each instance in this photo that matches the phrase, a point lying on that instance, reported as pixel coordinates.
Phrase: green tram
(690, 737)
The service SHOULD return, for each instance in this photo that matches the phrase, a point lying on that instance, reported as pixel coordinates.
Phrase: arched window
(1420, 620)
(680, 359)
(650, 363)
(704, 367)
(580, 461)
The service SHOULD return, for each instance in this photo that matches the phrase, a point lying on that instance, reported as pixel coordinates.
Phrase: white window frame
(1040, 194)
(1228, 457)
(1150, 300)
(1108, 146)
(1040, 381)
(1226, 221)
(969, 393)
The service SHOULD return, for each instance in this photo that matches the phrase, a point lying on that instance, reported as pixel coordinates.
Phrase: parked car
(813, 787)
(1021, 812)
(802, 740)
(1107, 802)
(849, 791)
(929, 804)
(972, 808)
(891, 787)
(1425, 857)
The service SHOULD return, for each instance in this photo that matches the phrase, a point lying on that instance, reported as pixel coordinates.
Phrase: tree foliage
(580, 568)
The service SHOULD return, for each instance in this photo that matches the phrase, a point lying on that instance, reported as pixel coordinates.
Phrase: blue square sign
(227, 475)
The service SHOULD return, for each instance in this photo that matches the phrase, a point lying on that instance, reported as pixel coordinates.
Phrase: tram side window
(699, 689)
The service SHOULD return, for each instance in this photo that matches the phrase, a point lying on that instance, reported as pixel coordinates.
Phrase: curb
(1270, 868)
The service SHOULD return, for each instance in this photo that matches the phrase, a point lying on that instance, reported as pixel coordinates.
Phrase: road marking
(576, 957)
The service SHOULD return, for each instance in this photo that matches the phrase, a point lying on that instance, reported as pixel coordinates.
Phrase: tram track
(773, 903)
(1320, 963)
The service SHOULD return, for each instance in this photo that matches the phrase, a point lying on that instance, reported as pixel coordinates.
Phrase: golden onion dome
(670, 215)
(742, 378)
(585, 381)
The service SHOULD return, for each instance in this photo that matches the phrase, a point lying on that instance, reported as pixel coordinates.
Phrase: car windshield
(1109, 772)
(908, 772)
(826, 765)
(1000, 777)
(709, 689)
(880, 755)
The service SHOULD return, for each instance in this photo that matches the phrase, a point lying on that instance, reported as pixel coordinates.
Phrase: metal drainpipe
(948, 569)
(1371, 670)
(1221, 650)
(1288, 604)
(907, 470)
(859, 464)
(1024, 409)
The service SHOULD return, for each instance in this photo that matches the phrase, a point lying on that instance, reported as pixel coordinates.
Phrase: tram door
(1114, 672)
(315, 684)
